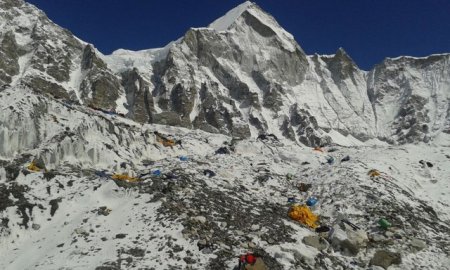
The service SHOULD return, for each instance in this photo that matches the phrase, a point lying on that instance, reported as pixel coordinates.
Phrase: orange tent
(163, 140)
(318, 149)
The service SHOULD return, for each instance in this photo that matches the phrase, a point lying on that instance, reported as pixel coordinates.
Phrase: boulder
(385, 258)
(418, 244)
(258, 265)
(340, 241)
(39, 162)
(200, 219)
(121, 235)
(316, 242)
(103, 210)
(347, 248)
(359, 238)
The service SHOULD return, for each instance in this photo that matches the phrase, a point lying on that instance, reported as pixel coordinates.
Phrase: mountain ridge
(251, 73)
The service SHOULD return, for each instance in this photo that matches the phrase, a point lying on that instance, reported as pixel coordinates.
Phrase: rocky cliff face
(242, 75)
(36, 52)
(49, 59)
(411, 96)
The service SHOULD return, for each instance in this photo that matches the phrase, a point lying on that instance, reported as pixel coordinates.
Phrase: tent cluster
(339, 233)
(129, 177)
(329, 159)
(302, 212)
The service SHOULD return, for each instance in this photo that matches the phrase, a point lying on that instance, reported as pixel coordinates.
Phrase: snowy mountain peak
(342, 56)
(224, 22)
(342, 53)
(248, 19)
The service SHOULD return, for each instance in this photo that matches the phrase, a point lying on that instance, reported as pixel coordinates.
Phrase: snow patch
(120, 104)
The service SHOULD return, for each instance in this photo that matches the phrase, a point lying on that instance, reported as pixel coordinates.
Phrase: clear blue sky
(369, 30)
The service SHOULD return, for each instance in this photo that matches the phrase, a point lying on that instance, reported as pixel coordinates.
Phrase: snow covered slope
(73, 216)
(216, 192)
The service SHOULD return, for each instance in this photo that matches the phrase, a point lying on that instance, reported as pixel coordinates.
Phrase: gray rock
(207, 251)
(121, 235)
(90, 59)
(100, 87)
(189, 260)
(12, 171)
(385, 258)
(168, 118)
(255, 227)
(200, 219)
(418, 244)
(139, 98)
(358, 238)
(316, 242)
(349, 248)
(9, 65)
(378, 238)
(341, 242)
(41, 85)
(103, 210)
(136, 252)
(81, 231)
(244, 245)
(202, 244)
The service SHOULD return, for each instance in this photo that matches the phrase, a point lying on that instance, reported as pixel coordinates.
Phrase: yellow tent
(303, 214)
(33, 167)
(125, 177)
(374, 173)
